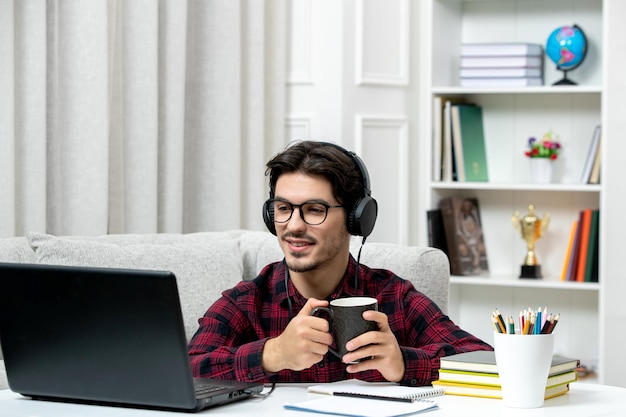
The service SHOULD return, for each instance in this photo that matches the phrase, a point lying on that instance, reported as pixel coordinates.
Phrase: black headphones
(361, 219)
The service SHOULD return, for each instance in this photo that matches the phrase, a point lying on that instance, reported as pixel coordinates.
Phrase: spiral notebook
(356, 398)
(377, 390)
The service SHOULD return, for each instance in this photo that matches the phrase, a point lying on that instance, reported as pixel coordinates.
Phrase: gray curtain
(138, 116)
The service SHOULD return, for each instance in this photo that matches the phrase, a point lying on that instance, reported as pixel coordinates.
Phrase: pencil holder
(523, 365)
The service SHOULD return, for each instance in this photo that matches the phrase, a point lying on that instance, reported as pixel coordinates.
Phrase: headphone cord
(287, 290)
(358, 263)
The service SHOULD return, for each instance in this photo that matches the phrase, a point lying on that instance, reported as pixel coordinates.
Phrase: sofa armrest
(427, 268)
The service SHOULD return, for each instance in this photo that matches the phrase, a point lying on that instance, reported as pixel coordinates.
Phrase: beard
(324, 253)
(299, 265)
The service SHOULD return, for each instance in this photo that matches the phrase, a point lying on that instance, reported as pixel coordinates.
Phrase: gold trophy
(531, 228)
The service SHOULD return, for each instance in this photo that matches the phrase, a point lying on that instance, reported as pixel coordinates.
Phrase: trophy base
(531, 271)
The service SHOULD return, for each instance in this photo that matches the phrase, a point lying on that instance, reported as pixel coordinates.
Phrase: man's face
(307, 247)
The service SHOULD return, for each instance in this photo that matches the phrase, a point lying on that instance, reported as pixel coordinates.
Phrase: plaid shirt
(232, 333)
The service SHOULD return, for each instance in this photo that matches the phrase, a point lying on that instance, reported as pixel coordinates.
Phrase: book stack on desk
(475, 374)
(501, 64)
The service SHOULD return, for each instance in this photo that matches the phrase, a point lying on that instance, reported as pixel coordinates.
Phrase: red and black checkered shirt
(230, 339)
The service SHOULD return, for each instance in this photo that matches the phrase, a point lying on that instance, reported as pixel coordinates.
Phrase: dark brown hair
(319, 159)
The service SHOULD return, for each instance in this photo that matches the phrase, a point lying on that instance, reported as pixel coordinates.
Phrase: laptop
(103, 336)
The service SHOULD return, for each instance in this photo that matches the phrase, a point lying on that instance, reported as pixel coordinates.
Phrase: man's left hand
(380, 346)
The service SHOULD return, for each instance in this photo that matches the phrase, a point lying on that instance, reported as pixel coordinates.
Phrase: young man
(263, 330)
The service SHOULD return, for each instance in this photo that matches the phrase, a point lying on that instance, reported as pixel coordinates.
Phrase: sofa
(207, 263)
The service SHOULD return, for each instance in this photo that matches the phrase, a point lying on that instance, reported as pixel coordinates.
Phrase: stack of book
(475, 374)
(581, 259)
(501, 64)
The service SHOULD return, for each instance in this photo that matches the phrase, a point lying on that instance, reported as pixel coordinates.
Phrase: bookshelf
(511, 116)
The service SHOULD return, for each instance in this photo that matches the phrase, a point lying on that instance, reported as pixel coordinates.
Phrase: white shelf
(546, 89)
(524, 283)
(495, 186)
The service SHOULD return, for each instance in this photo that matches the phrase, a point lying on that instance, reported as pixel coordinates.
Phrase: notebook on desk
(100, 335)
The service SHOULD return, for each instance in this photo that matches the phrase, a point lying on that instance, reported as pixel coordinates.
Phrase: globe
(566, 47)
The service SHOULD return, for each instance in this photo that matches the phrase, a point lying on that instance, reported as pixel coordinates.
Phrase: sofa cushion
(204, 266)
(16, 249)
(258, 249)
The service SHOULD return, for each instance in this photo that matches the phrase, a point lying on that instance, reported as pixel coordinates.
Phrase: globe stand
(565, 80)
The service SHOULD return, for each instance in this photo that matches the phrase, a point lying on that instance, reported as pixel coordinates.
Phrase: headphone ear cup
(362, 218)
(268, 217)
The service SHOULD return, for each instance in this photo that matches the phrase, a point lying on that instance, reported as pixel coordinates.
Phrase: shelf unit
(492, 281)
(511, 116)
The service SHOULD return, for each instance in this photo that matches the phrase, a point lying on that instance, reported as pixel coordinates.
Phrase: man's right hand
(304, 342)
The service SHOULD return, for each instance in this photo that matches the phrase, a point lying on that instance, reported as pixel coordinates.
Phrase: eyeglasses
(312, 213)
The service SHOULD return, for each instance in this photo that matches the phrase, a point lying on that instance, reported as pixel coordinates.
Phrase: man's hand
(304, 342)
(380, 345)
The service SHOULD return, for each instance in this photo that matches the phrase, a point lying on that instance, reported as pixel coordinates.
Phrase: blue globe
(567, 47)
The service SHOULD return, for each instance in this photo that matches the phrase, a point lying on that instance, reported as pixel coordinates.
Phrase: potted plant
(542, 153)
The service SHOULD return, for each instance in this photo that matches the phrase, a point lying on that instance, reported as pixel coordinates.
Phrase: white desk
(582, 400)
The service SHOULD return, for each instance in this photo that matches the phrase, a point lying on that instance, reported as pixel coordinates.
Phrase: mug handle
(330, 313)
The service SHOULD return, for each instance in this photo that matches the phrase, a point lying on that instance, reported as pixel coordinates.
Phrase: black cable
(264, 395)
(287, 291)
(358, 262)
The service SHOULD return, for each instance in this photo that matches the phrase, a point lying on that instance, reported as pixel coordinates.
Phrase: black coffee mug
(346, 320)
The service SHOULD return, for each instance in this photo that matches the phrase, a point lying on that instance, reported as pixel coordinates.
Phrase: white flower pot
(541, 170)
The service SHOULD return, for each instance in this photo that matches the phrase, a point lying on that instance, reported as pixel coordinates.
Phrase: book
(490, 379)
(359, 407)
(457, 145)
(594, 177)
(447, 158)
(501, 72)
(502, 82)
(585, 222)
(447, 164)
(573, 263)
(568, 254)
(592, 247)
(464, 236)
(502, 62)
(591, 155)
(485, 361)
(596, 253)
(501, 49)
(378, 389)
(436, 232)
(484, 391)
(437, 133)
(469, 139)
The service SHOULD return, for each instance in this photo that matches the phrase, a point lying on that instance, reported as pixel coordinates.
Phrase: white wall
(350, 82)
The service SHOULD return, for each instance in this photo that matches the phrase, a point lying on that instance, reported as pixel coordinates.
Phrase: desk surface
(582, 400)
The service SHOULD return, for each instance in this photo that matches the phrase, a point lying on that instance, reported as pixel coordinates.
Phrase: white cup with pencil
(524, 357)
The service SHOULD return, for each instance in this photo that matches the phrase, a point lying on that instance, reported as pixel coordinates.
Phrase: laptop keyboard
(203, 389)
